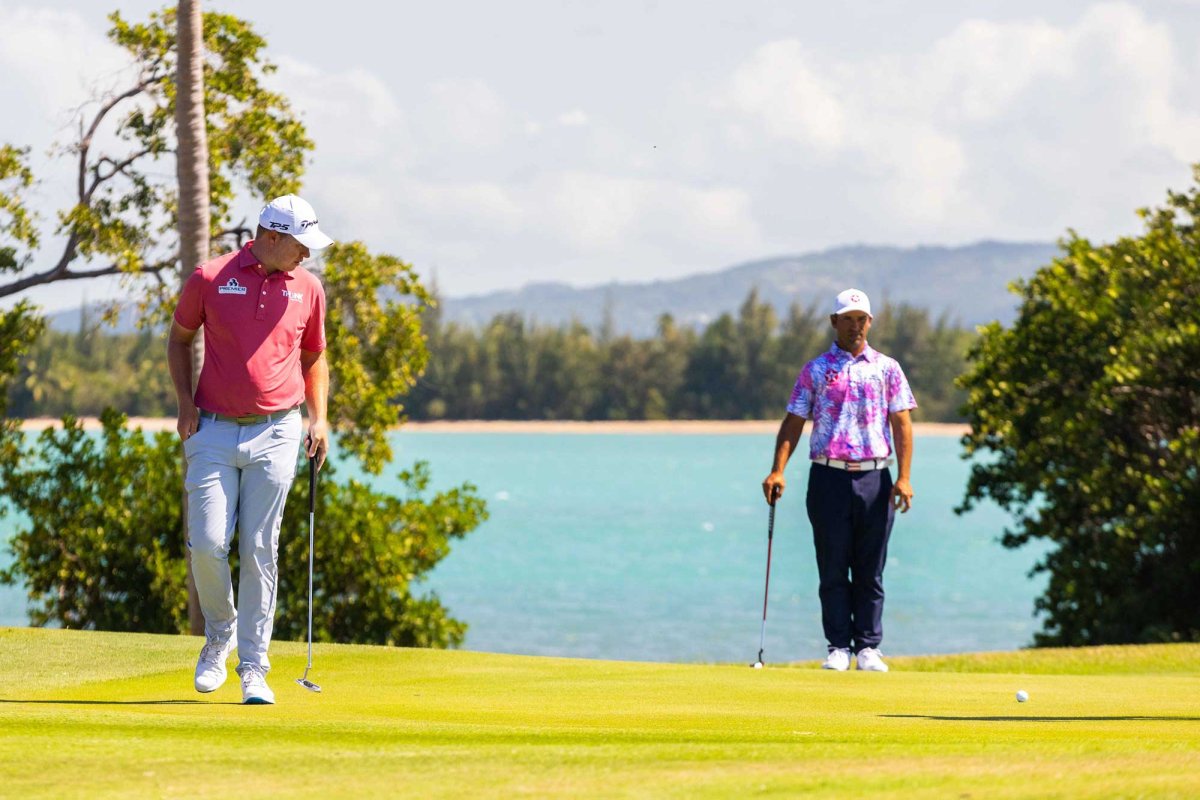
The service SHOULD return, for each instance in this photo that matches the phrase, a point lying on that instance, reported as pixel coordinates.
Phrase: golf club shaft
(312, 509)
(762, 636)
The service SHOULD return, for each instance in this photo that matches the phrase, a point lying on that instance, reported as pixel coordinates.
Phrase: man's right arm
(179, 360)
(785, 444)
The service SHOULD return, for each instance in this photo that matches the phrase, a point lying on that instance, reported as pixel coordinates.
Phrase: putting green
(98, 714)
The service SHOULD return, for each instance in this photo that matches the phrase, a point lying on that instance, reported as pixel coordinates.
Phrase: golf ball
(758, 665)
(1022, 696)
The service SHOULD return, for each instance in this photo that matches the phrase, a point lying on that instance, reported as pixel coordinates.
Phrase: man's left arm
(902, 440)
(316, 398)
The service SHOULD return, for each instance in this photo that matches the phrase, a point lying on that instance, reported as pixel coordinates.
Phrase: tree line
(739, 366)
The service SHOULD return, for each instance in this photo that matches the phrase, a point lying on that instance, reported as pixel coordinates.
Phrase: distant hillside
(969, 283)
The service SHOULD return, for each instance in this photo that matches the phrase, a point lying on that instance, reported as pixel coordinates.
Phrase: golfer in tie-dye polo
(859, 401)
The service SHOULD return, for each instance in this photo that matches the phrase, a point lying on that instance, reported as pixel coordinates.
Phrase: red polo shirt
(255, 326)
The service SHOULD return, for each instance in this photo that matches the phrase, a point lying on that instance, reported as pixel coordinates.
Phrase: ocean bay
(653, 546)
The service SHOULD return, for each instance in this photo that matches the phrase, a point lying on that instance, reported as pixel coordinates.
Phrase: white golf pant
(238, 477)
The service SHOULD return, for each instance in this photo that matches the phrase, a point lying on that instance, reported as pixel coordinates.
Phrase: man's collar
(246, 260)
(868, 353)
(246, 256)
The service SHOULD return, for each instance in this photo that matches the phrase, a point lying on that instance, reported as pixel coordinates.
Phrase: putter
(312, 510)
(762, 635)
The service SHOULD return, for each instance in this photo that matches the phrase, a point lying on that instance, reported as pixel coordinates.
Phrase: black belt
(248, 419)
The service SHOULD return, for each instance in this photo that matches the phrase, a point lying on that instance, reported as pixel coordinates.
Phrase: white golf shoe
(255, 691)
(838, 659)
(870, 660)
(210, 667)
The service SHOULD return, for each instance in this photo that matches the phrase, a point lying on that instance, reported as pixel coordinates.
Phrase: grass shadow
(124, 702)
(1118, 718)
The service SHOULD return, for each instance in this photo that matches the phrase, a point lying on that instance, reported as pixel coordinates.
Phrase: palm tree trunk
(191, 164)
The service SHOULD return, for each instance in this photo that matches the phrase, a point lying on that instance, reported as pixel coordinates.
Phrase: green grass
(97, 714)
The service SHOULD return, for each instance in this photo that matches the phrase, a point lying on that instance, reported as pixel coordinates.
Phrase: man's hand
(902, 495)
(188, 422)
(773, 487)
(316, 445)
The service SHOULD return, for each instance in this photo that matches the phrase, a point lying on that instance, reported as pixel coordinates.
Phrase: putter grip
(312, 485)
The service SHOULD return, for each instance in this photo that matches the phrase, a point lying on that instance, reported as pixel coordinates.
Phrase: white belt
(855, 466)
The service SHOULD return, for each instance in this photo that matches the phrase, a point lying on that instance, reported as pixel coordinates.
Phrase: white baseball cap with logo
(291, 215)
(852, 300)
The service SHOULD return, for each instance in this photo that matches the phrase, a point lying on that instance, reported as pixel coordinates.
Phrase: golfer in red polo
(263, 316)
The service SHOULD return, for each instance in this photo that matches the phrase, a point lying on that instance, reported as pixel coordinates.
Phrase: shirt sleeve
(189, 311)
(801, 402)
(899, 394)
(313, 340)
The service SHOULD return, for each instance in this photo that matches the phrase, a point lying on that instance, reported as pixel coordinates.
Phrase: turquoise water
(653, 547)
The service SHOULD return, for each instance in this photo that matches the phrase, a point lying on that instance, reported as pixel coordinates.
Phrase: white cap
(291, 215)
(852, 300)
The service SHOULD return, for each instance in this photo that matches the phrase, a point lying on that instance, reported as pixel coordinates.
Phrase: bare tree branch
(117, 168)
(61, 273)
(85, 142)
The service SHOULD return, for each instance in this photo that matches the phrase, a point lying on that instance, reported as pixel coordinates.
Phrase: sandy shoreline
(556, 427)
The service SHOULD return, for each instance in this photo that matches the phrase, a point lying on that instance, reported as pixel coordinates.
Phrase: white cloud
(995, 130)
(53, 62)
(468, 114)
(573, 118)
(788, 97)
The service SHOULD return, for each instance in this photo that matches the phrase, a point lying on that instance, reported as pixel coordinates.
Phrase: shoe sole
(257, 701)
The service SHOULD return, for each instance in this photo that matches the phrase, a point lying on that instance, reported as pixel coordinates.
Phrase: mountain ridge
(967, 283)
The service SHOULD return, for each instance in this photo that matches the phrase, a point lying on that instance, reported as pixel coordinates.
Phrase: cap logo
(306, 224)
(854, 298)
(280, 226)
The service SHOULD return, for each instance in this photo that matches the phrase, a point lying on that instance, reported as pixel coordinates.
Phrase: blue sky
(496, 144)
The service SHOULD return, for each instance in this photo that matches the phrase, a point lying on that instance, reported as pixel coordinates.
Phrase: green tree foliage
(737, 367)
(19, 328)
(101, 549)
(83, 373)
(932, 353)
(1089, 408)
(21, 324)
(376, 350)
(18, 229)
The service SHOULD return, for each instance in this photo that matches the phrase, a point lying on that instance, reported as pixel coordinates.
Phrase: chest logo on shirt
(231, 287)
(295, 297)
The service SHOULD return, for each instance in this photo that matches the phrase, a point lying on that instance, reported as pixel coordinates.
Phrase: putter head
(307, 684)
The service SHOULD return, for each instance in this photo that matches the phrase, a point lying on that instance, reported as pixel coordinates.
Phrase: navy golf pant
(851, 516)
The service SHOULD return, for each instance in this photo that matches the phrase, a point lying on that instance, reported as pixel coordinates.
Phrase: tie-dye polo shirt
(849, 399)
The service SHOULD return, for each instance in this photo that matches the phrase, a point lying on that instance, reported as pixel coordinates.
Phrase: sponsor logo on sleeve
(295, 297)
(231, 286)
